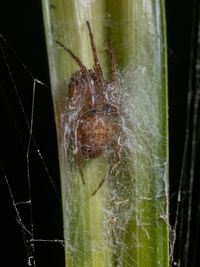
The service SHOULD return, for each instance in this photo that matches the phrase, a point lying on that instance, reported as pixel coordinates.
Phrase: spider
(95, 107)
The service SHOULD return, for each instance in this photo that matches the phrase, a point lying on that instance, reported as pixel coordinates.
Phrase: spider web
(23, 200)
(22, 152)
(23, 203)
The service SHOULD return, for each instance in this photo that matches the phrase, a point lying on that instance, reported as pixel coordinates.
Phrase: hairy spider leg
(113, 163)
(83, 68)
(97, 65)
(114, 69)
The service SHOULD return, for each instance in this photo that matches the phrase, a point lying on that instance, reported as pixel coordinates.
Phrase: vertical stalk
(126, 222)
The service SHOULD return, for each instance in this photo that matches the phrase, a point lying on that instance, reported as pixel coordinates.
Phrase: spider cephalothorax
(96, 107)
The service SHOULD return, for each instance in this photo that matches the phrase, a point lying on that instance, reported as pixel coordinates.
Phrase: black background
(21, 24)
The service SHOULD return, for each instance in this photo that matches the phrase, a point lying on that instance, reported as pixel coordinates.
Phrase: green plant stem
(126, 222)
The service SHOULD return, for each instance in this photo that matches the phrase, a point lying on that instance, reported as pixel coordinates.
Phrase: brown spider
(95, 106)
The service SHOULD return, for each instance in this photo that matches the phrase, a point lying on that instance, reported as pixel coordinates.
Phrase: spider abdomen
(94, 134)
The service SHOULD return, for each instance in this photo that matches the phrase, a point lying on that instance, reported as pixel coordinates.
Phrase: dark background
(21, 24)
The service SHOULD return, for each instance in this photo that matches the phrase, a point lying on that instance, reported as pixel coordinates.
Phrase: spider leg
(113, 163)
(83, 68)
(97, 65)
